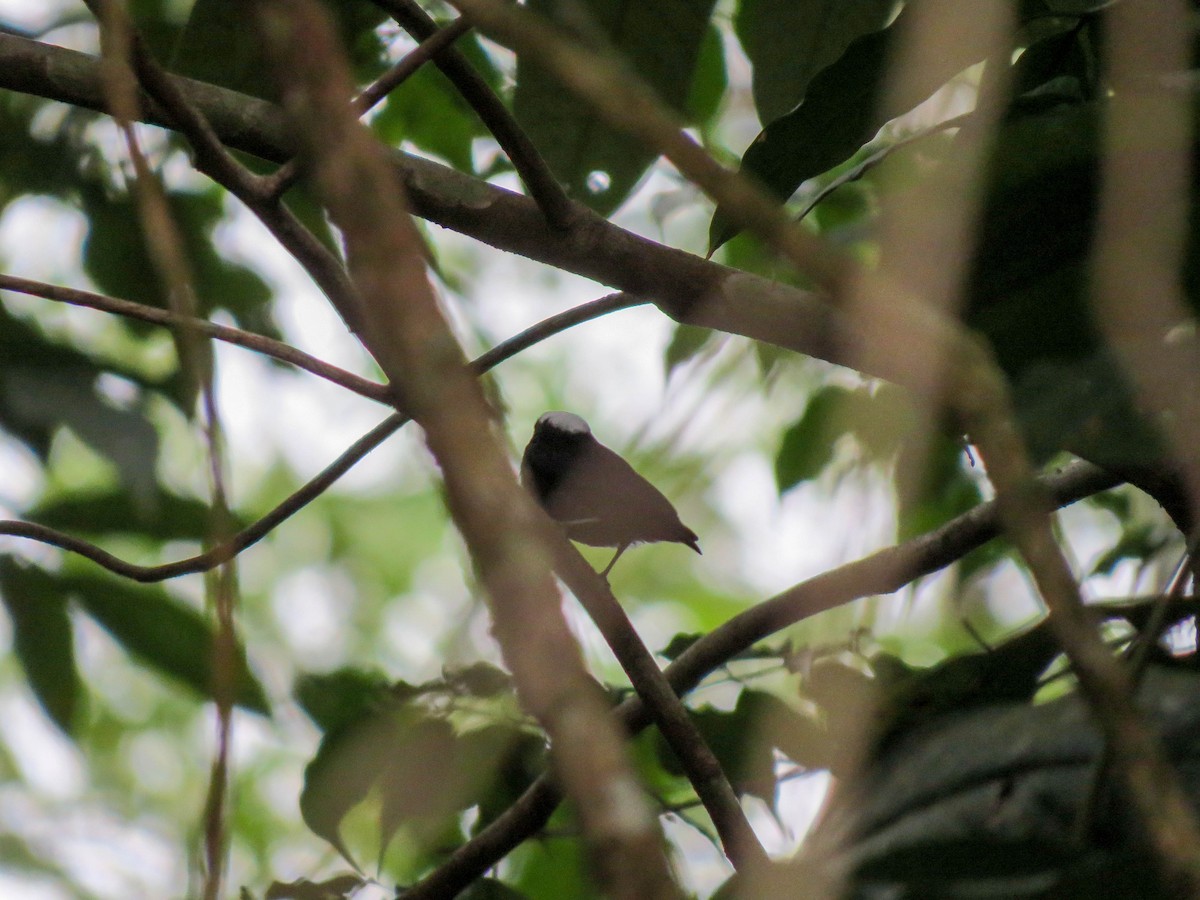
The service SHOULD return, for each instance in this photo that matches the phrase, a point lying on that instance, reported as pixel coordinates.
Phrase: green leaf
(1065, 55)
(43, 640)
(336, 888)
(1028, 288)
(842, 111)
(555, 867)
(491, 889)
(932, 486)
(335, 699)
(220, 44)
(808, 443)
(116, 257)
(423, 775)
(429, 112)
(686, 342)
(744, 741)
(162, 633)
(1141, 543)
(661, 43)
(45, 385)
(789, 43)
(160, 515)
(1008, 673)
(710, 81)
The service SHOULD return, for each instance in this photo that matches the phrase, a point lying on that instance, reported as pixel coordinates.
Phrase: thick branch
(684, 286)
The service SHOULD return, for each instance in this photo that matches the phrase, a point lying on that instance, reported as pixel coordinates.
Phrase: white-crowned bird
(597, 497)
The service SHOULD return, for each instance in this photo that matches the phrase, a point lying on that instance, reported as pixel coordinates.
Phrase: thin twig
(236, 336)
(277, 184)
(255, 532)
(428, 49)
(122, 48)
(699, 763)
(217, 555)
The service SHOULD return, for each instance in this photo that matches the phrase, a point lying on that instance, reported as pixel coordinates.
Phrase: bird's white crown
(565, 421)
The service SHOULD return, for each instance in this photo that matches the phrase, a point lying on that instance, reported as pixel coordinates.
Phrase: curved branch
(315, 487)
(236, 336)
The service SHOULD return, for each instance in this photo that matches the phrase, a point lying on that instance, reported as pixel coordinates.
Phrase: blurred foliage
(357, 611)
(662, 44)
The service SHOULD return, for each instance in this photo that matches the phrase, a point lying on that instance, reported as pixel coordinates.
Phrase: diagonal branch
(236, 336)
(507, 535)
(697, 759)
(255, 532)
(543, 187)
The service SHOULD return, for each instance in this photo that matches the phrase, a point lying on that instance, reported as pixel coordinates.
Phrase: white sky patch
(48, 761)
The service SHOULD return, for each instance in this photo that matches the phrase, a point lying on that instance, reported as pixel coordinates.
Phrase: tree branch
(699, 763)
(543, 187)
(682, 285)
(505, 532)
(236, 336)
(255, 532)
(879, 573)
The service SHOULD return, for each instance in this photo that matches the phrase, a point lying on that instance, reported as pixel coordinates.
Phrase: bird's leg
(612, 562)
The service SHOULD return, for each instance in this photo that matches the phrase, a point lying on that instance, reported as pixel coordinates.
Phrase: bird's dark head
(558, 439)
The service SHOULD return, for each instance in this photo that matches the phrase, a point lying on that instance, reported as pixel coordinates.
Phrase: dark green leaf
(164, 634)
(808, 444)
(789, 43)
(932, 485)
(1028, 290)
(302, 889)
(428, 112)
(336, 699)
(1055, 57)
(116, 257)
(479, 680)
(43, 640)
(686, 342)
(661, 43)
(161, 515)
(710, 81)
(1008, 673)
(744, 741)
(498, 763)
(423, 773)
(556, 867)
(45, 385)
(220, 44)
(1141, 543)
(491, 889)
(842, 110)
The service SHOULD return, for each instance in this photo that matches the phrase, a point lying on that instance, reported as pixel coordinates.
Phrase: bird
(593, 493)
